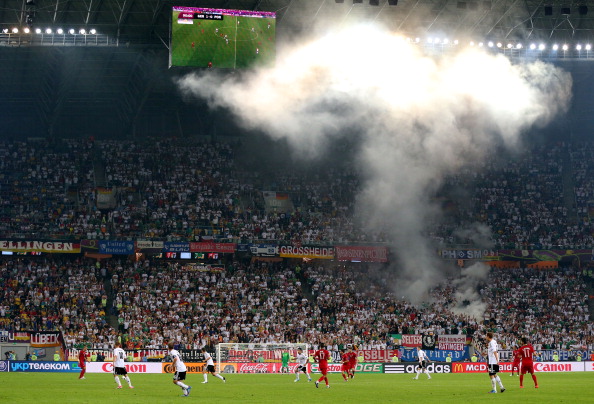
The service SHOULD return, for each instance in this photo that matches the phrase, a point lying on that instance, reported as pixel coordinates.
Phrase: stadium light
(588, 47)
(26, 30)
(532, 46)
(480, 44)
(71, 31)
(565, 47)
(60, 31)
(578, 47)
(5, 31)
(93, 31)
(471, 43)
(48, 31)
(499, 45)
(15, 30)
(38, 30)
(82, 31)
(417, 39)
(509, 46)
(555, 47)
(519, 46)
(456, 42)
(541, 47)
(490, 44)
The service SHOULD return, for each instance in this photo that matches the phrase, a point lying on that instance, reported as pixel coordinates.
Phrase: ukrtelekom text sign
(361, 253)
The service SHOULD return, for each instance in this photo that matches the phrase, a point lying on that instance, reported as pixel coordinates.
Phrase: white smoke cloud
(467, 286)
(418, 118)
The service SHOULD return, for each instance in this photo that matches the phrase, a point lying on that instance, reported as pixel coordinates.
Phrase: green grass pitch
(251, 43)
(245, 388)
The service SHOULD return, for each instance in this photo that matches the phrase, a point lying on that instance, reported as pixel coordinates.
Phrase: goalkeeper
(301, 365)
(285, 362)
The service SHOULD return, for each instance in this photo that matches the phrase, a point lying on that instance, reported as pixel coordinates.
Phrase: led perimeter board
(217, 38)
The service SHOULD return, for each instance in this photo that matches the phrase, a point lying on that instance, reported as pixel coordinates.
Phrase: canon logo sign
(131, 368)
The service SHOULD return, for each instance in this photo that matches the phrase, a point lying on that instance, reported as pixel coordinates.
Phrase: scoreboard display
(221, 38)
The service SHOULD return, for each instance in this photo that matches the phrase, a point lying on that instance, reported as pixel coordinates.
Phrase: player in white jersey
(210, 367)
(301, 365)
(180, 370)
(493, 359)
(422, 368)
(119, 367)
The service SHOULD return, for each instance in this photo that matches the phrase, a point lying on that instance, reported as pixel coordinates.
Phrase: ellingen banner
(41, 246)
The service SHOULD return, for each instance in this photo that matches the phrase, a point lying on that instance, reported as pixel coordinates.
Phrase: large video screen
(217, 38)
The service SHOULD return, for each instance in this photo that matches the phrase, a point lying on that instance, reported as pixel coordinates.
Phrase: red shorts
(345, 367)
(515, 365)
(82, 365)
(352, 365)
(527, 368)
(323, 370)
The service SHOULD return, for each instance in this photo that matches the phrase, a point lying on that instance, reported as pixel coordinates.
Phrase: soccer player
(526, 354)
(285, 362)
(180, 370)
(83, 356)
(321, 356)
(516, 363)
(493, 358)
(352, 360)
(422, 368)
(119, 368)
(301, 365)
(210, 367)
(346, 366)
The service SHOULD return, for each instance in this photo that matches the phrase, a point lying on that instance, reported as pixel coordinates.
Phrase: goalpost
(257, 358)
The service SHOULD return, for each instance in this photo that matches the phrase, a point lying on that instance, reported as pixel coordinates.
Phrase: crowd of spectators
(155, 301)
(47, 293)
(166, 190)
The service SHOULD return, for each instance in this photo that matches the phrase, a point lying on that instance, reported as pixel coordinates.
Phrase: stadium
(273, 201)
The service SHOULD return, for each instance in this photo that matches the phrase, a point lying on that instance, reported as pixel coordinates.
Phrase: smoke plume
(418, 118)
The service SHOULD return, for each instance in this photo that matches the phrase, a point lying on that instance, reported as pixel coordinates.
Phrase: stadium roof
(147, 21)
(126, 87)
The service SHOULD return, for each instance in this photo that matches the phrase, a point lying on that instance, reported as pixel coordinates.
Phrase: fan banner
(362, 253)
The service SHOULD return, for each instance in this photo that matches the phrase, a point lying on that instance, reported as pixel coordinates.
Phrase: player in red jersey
(526, 354)
(321, 356)
(516, 363)
(352, 360)
(83, 355)
(346, 366)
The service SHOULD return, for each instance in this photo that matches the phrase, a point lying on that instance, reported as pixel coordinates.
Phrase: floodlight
(480, 44)
(578, 47)
(555, 47)
(26, 30)
(60, 31)
(15, 30)
(519, 46)
(82, 31)
(565, 47)
(456, 42)
(499, 45)
(71, 31)
(490, 44)
(93, 31)
(541, 47)
(471, 43)
(48, 31)
(38, 30)
(509, 46)
(532, 46)
(588, 47)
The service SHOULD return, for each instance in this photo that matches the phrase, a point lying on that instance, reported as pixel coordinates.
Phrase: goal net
(257, 358)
